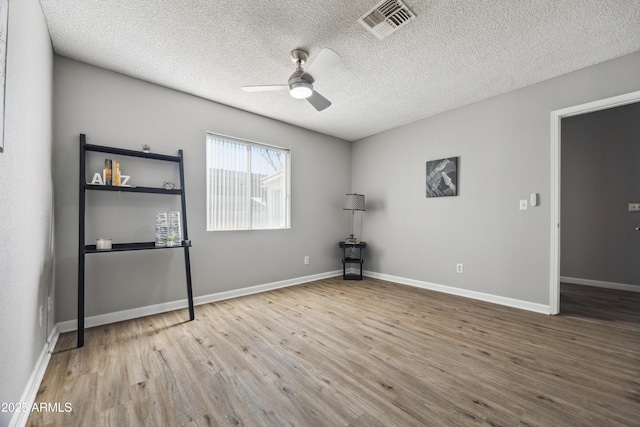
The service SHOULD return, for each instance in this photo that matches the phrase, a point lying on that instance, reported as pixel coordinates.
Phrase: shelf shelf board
(131, 153)
(139, 246)
(359, 245)
(353, 260)
(153, 190)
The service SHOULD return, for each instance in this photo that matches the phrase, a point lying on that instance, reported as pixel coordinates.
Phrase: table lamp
(353, 203)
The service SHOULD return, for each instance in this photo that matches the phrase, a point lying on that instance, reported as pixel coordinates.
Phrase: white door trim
(556, 117)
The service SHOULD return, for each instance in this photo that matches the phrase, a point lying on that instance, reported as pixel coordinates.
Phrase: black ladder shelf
(84, 249)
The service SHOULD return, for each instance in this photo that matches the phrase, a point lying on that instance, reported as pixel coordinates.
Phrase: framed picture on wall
(4, 21)
(442, 177)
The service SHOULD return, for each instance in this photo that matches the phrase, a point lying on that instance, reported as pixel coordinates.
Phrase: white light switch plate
(634, 207)
(523, 205)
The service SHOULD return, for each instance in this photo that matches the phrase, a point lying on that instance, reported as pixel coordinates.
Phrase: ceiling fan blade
(318, 101)
(322, 63)
(264, 88)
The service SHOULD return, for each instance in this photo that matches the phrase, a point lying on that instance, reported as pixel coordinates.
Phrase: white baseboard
(118, 316)
(600, 284)
(509, 302)
(19, 419)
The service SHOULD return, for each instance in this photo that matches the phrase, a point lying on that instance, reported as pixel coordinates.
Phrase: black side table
(352, 253)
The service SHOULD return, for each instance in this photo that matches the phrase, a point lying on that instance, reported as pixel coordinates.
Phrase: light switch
(523, 205)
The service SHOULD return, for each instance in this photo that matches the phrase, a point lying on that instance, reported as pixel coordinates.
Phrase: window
(247, 185)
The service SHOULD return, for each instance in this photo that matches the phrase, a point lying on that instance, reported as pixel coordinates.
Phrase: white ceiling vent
(386, 17)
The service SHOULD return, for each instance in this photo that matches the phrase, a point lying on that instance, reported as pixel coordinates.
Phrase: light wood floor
(334, 353)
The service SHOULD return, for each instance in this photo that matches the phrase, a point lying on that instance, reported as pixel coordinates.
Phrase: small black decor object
(442, 177)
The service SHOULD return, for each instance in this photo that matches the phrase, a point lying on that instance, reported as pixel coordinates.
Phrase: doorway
(556, 118)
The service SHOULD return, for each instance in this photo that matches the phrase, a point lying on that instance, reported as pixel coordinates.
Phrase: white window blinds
(247, 185)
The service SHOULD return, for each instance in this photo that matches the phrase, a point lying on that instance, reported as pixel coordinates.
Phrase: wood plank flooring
(334, 353)
(613, 307)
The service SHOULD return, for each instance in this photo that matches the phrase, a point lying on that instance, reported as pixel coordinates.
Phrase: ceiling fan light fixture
(301, 90)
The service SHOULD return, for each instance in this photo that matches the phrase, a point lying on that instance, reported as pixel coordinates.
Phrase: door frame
(556, 118)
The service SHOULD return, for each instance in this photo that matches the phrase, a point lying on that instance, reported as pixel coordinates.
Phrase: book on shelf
(111, 176)
(161, 229)
(108, 171)
(175, 226)
(168, 229)
(116, 174)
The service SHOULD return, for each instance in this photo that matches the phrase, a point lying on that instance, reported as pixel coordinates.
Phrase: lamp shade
(354, 202)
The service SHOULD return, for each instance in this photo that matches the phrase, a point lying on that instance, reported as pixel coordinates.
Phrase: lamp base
(351, 239)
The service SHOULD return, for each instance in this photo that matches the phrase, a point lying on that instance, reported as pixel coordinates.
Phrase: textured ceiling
(454, 53)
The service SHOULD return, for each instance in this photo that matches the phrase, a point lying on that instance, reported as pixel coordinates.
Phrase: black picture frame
(442, 177)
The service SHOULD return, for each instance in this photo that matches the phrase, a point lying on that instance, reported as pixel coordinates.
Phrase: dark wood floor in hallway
(370, 353)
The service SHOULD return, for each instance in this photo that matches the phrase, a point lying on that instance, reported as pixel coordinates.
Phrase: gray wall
(115, 110)
(504, 148)
(25, 200)
(600, 176)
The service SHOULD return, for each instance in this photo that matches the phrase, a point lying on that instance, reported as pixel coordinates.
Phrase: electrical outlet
(634, 207)
(523, 205)
(49, 303)
(41, 314)
(459, 268)
(306, 260)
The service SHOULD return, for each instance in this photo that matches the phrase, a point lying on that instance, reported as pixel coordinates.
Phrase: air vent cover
(386, 17)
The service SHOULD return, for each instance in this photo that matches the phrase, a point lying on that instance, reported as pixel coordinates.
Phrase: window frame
(247, 143)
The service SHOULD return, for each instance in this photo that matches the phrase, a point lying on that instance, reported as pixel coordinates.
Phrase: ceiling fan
(300, 85)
